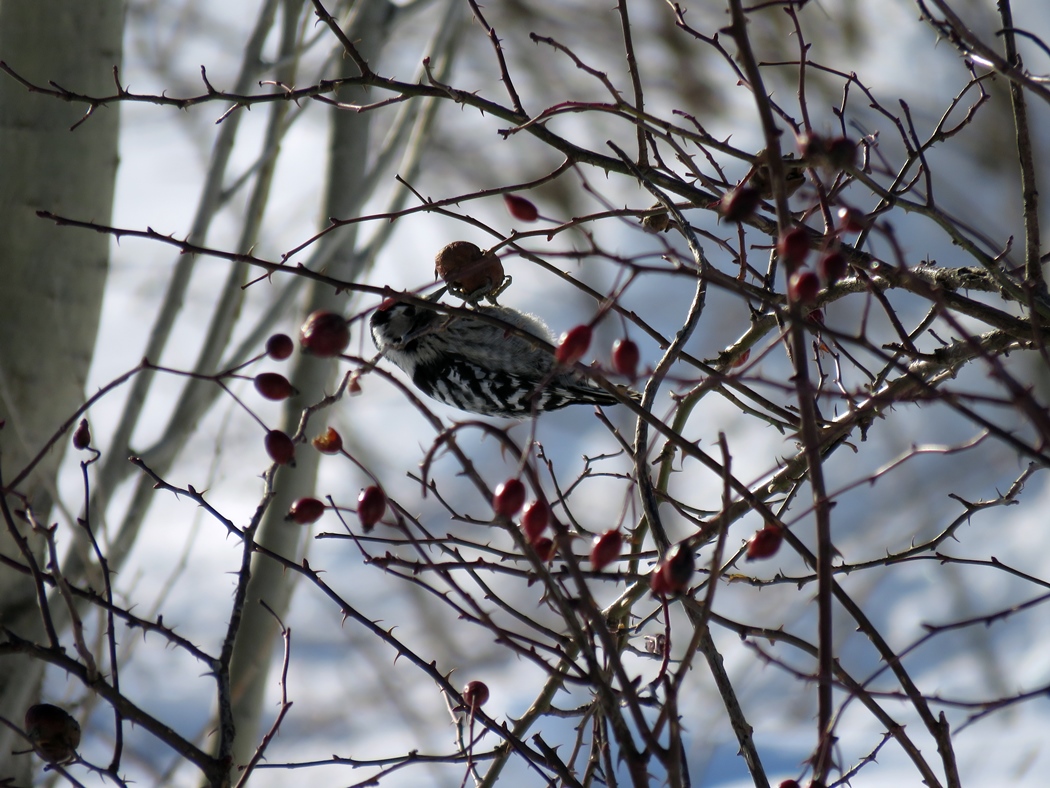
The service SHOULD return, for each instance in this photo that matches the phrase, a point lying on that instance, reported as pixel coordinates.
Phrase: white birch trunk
(51, 279)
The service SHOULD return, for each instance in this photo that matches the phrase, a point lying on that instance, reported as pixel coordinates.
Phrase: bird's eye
(409, 310)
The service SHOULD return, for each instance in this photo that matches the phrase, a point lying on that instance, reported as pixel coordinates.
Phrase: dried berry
(789, 784)
(573, 345)
(328, 442)
(371, 506)
(656, 644)
(606, 549)
(738, 204)
(833, 267)
(534, 520)
(509, 498)
(274, 386)
(793, 247)
(544, 547)
(803, 287)
(625, 357)
(82, 436)
(54, 733)
(305, 511)
(521, 209)
(468, 271)
(475, 695)
(279, 347)
(280, 447)
(765, 543)
(324, 334)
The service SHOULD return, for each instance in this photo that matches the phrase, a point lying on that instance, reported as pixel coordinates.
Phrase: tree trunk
(52, 278)
(253, 652)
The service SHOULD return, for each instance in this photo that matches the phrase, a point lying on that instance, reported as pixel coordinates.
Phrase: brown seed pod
(469, 272)
(54, 733)
(82, 436)
(328, 442)
(656, 644)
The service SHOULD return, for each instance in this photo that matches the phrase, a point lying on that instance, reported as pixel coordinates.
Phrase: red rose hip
(475, 695)
(544, 547)
(305, 511)
(573, 345)
(833, 267)
(279, 347)
(793, 247)
(534, 520)
(371, 506)
(625, 357)
(738, 204)
(803, 287)
(274, 386)
(280, 447)
(606, 549)
(509, 498)
(765, 543)
(324, 334)
(521, 209)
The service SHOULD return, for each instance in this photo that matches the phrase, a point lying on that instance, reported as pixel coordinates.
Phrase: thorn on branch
(204, 77)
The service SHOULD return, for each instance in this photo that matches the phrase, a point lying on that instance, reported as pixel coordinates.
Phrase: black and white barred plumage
(478, 366)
